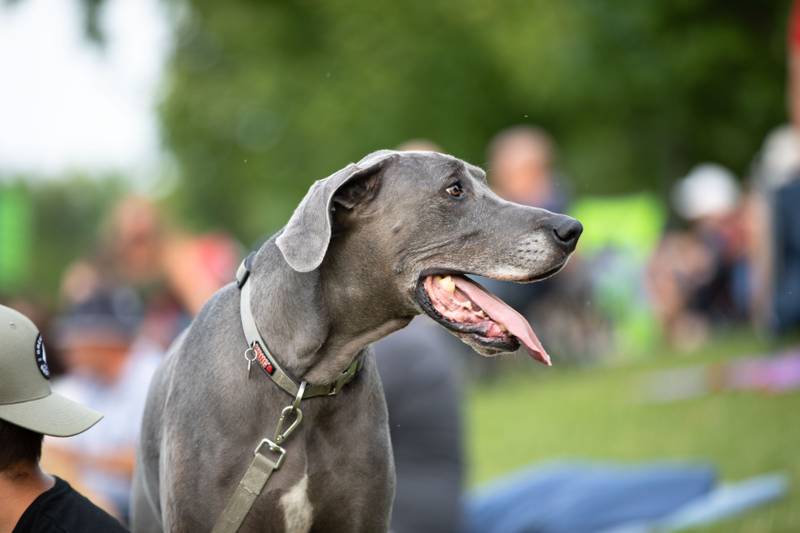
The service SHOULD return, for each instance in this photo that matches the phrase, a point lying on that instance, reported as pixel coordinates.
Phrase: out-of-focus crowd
(734, 260)
(723, 255)
(120, 309)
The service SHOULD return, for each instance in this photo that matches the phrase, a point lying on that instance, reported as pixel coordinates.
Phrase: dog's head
(415, 223)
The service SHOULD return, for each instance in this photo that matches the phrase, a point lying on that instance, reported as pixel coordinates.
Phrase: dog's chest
(297, 508)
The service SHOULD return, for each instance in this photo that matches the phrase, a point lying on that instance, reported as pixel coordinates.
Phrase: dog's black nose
(567, 230)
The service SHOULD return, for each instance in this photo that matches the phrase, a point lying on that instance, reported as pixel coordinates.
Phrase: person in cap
(699, 274)
(31, 501)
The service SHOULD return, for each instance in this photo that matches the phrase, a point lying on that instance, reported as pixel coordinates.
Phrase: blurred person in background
(108, 367)
(521, 167)
(776, 233)
(31, 500)
(419, 368)
(700, 277)
(521, 160)
(420, 371)
(174, 272)
(419, 145)
(775, 221)
(793, 88)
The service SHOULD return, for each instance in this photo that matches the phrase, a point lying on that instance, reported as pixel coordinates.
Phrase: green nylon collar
(258, 352)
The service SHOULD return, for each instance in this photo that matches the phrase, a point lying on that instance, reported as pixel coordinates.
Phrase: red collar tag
(262, 359)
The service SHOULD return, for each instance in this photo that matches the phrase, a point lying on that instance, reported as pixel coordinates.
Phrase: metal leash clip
(282, 434)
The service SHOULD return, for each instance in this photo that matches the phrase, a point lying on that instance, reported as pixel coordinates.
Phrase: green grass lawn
(540, 414)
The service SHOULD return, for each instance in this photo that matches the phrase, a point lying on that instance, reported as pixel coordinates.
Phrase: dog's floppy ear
(306, 236)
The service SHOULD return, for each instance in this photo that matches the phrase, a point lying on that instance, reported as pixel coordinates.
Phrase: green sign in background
(16, 235)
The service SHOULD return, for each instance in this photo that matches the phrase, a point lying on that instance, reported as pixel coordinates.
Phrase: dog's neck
(328, 316)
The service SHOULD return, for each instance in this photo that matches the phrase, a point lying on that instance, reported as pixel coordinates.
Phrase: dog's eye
(456, 190)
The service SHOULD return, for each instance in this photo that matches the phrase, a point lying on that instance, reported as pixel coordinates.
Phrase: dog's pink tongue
(502, 313)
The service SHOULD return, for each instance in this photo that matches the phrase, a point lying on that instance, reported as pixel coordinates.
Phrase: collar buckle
(346, 376)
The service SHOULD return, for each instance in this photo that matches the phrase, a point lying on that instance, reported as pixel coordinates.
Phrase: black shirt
(63, 510)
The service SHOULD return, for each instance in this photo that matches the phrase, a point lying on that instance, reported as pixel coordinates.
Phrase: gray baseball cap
(25, 396)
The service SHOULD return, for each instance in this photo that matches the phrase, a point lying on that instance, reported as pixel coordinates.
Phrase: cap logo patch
(41, 357)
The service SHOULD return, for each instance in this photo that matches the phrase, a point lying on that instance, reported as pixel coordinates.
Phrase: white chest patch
(297, 509)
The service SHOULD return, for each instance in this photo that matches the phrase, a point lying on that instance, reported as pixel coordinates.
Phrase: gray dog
(367, 249)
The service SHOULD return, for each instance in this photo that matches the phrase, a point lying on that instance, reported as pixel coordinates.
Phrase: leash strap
(250, 486)
(261, 468)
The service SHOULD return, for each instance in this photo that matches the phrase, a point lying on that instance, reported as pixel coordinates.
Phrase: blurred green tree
(56, 222)
(264, 97)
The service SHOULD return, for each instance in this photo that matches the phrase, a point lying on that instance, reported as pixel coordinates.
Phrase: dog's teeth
(447, 283)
